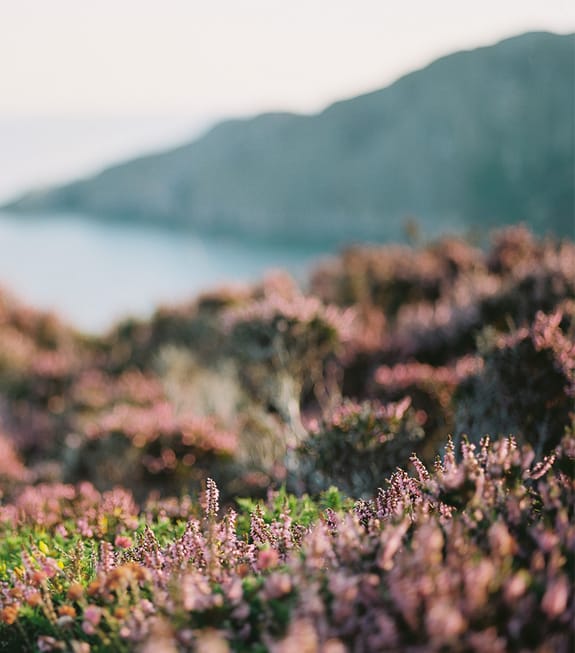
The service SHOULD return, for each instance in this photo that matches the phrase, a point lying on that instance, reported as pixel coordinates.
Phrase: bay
(93, 273)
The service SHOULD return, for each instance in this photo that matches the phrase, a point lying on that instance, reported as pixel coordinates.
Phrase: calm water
(93, 273)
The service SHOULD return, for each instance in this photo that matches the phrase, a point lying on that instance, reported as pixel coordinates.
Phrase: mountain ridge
(427, 145)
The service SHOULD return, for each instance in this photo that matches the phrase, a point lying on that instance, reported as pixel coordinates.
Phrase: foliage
(540, 361)
(358, 443)
(472, 555)
(111, 533)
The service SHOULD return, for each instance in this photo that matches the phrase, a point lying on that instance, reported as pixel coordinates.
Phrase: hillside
(477, 138)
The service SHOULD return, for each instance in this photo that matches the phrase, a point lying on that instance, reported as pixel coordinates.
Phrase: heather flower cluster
(475, 553)
(358, 443)
(434, 299)
(539, 360)
(384, 461)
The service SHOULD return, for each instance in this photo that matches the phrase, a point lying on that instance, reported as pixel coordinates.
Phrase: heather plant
(527, 384)
(431, 391)
(437, 332)
(283, 342)
(475, 553)
(512, 248)
(39, 358)
(107, 543)
(357, 444)
(429, 304)
(149, 447)
(249, 360)
(37, 352)
(12, 470)
(391, 276)
(71, 413)
(267, 346)
(196, 325)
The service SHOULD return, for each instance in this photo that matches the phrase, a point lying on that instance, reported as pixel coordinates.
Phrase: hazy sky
(208, 57)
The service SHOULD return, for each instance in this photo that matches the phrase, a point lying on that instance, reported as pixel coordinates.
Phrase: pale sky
(212, 57)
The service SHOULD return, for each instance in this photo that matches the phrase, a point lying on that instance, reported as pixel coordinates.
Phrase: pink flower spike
(88, 628)
(92, 616)
(123, 541)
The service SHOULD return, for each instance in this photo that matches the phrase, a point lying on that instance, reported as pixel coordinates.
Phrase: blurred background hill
(477, 139)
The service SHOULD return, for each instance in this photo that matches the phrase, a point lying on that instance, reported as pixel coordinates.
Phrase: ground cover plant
(382, 461)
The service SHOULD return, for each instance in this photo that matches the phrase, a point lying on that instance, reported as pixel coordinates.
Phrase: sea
(94, 272)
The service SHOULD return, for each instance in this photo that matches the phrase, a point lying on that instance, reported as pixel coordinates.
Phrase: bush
(475, 554)
(526, 387)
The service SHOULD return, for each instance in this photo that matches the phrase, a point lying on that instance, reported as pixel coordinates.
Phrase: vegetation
(385, 461)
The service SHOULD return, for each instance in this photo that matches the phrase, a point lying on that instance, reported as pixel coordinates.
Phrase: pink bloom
(123, 542)
(92, 615)
(88, 628)
(267, 558)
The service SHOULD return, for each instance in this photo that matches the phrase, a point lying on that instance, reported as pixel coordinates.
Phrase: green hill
(477, 138)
